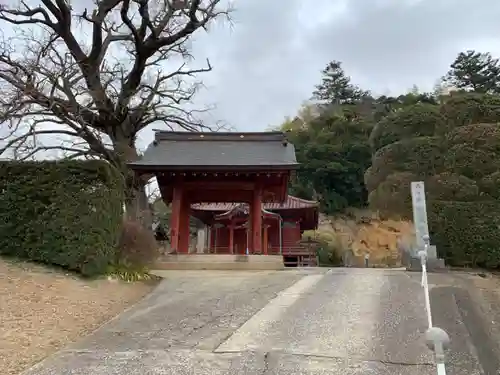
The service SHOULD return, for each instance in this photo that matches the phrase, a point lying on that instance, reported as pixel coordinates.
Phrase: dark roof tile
(290, 204)
(176, 149)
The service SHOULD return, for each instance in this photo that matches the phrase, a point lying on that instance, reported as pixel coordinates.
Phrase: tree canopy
(334, 153)
(336, 86)
(475, 71)
(358, 149)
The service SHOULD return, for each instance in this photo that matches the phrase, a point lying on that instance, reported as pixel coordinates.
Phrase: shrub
(328, 255)
(452, 187)
(64, 213)
(473, 151)
(483, 136)
(137, 247)
(421, 156)
(372, 179)
(462, 109)
(419, 120)
(393, 196)
(489, 185)
(474, 163)
(466, 233)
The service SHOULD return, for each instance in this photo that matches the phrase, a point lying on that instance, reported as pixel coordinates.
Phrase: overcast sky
(268, 62)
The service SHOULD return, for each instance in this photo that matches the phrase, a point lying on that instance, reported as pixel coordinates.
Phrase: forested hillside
(362, 150)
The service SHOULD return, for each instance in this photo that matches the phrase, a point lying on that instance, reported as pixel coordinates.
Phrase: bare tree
(96, 77)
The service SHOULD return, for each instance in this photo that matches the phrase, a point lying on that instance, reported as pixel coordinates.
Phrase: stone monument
(422, 233)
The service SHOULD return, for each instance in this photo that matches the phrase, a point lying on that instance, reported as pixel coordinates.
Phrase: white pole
(425, 284)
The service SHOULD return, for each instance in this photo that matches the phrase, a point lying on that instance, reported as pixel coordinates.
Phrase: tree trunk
(136, 204)
(137, 207)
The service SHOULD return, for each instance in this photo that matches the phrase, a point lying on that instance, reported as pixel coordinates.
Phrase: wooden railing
(274, 250)
(292, 250)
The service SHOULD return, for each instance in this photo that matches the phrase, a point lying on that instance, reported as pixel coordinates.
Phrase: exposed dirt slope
(363, 232)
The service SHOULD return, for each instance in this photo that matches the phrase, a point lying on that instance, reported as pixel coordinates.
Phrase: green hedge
(422, 156)
(419, 120)
(392, 197)
(64, 213)
(466, 233)
(462, 109)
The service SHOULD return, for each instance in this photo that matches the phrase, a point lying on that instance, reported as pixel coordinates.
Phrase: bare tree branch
(86, 81)
(108, 88)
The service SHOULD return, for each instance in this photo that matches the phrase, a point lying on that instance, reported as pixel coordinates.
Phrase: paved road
(342, 321)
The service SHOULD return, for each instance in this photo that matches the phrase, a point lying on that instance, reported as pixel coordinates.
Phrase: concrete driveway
(342, 321)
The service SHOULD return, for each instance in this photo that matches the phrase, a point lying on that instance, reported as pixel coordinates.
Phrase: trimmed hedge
(459, 161)
(473, 150)
(452, 187)
(422, 156)
(392, 196)
(419, 120)
(466, 233)
(490, 183)
(462, 109)
(63, 213)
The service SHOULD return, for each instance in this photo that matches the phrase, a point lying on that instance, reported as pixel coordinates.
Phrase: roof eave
(189, 168)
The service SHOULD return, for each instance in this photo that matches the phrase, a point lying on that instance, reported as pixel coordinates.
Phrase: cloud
(267, 64)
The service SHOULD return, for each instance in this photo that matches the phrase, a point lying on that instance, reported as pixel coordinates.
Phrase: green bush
(466, 233)
(483, 136)
(419, 120)
(489, 185)
(473, 150)
(422, 156)
(452, 187)
(63, 213)
(455, 149)
(328, 255)
(471, 162)
(462, 109)
(393, 197)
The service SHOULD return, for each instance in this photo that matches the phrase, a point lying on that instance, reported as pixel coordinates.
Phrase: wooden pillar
(257, 221)
(175, 218)
(231, 238)
(184, 233)
(265, 240)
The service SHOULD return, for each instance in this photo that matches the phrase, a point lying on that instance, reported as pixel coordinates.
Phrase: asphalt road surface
(341, 321)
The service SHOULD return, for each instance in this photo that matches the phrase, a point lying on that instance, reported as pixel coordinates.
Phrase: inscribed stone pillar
(200, 240)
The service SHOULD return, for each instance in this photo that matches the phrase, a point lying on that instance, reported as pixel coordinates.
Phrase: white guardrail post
(436, 338)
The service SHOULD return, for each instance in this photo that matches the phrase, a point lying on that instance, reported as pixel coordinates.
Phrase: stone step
(219, 262)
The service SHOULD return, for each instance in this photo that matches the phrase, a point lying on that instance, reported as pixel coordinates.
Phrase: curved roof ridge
(237, 206)
(291, 203)
(270, 213)
(292, 197)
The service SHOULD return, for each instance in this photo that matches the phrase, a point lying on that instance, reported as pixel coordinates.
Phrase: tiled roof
(291, 203)
(209, 150)
(243, 209)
